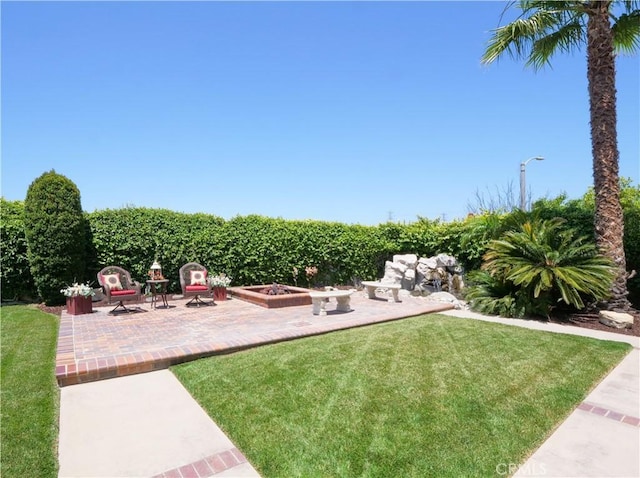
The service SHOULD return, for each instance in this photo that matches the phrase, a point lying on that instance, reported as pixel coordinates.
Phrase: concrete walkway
(139, 426)
(147, 425)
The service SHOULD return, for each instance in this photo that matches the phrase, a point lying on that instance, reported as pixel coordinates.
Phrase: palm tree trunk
(609, 221)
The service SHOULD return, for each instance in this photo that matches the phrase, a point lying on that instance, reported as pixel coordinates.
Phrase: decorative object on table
(219, 284)
(194, 283)
(78, 298)
(119, 287)
(155, 272)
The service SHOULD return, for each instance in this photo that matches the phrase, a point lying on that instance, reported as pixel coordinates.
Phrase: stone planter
(79, 305)
(219, 293)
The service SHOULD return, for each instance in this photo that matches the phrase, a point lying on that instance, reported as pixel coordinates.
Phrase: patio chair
(194, 283)
(119, 288)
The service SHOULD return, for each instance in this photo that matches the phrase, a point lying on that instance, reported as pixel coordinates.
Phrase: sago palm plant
(538, 266)
(489, 295)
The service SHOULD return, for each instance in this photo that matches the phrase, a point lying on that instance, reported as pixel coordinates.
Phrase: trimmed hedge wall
(15, 277)
(260, 250)
(250, 249)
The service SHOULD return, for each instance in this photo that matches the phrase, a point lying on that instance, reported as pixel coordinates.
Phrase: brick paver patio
(99, 346)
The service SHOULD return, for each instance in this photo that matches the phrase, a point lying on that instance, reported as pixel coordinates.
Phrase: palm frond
(565, 39)
(626, 32)
(546, 27)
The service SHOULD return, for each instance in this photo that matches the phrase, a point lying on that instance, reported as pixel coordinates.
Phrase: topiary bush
(56, 235)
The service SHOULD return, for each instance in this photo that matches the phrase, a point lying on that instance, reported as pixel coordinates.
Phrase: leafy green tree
(539, 265)
(545, 27)
(56, 235)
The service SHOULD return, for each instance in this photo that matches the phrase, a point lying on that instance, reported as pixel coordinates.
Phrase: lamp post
(523, 198)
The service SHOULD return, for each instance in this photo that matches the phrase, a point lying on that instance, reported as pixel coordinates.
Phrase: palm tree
(547, 26)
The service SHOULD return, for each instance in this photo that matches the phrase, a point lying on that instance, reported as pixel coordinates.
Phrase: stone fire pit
(256, 294)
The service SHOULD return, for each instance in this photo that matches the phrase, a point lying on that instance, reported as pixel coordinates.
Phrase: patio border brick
(208, 466)
(100, 346)
(610, 414)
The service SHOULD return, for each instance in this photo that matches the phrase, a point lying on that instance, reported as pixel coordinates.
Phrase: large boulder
(446, 298)
(409, 260)
(445, 260)
(427, 263)
(409, 279)
(618, 320)
(393, 272)
(457, 283)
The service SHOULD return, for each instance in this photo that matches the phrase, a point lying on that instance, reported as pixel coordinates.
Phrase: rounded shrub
(56, 235)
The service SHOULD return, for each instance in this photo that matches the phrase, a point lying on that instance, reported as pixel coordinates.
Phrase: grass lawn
(425, 396)
(30, 398)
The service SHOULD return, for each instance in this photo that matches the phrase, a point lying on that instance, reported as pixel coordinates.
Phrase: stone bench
(371, 287)
(319, 300)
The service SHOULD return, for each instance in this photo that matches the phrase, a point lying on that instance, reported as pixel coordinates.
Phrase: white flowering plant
(220, 280)
(75, 290)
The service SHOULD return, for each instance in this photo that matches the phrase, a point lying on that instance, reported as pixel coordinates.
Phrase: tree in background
(545, 27)
(56, 236)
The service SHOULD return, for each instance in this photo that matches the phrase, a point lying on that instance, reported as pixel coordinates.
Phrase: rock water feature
(440, 277)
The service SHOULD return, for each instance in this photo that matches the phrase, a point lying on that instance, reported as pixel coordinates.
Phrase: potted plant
(219, 284)
(79, 298)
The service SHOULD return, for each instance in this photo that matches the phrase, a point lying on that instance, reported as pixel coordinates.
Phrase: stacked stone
(423, 276)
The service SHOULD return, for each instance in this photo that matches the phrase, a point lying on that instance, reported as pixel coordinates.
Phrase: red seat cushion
(123, 292)
(196, 288)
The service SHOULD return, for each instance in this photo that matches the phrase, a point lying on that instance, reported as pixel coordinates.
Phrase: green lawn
(426, 396)
(30, 398)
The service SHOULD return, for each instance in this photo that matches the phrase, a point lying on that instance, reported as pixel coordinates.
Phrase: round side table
(157, 288)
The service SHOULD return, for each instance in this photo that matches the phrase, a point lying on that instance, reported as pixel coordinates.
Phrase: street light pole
(523, 193)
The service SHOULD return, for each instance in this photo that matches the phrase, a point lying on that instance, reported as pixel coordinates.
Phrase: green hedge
(15, 276)
(256, 250)
(133, 238)
(251, 249)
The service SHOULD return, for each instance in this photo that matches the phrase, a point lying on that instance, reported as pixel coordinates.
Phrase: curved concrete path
(148, 425)
(139, 426)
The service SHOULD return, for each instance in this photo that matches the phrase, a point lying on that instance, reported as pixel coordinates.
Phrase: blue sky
(357, 112)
